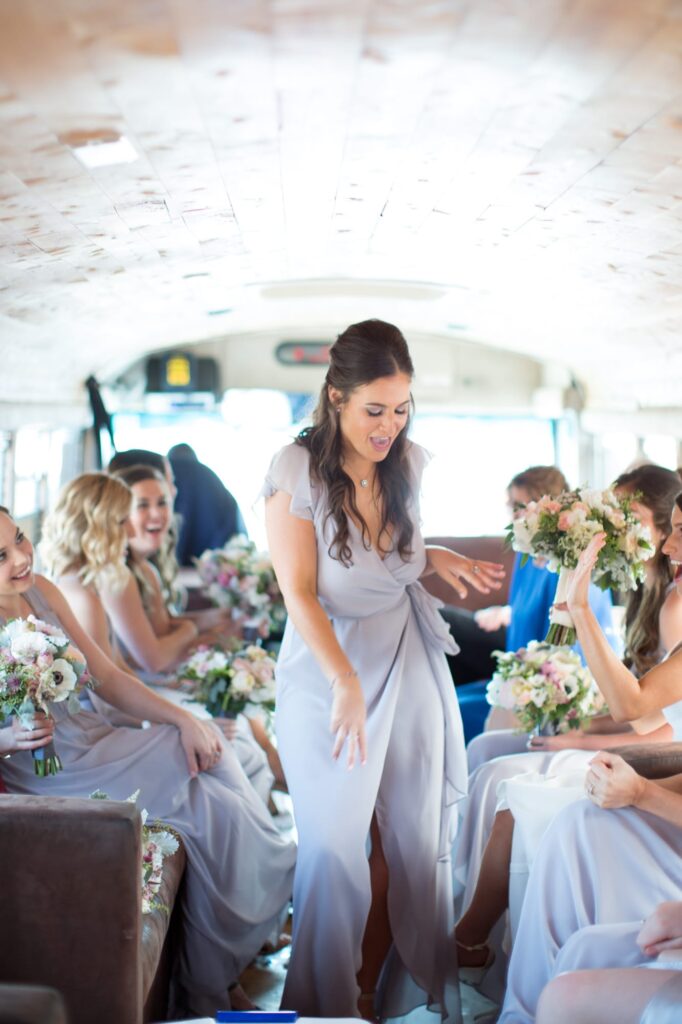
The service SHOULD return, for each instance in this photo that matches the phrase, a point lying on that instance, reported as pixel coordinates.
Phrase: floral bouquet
(158, 842)
(39, 666)
(228, 681)
(558, 529)
(240, 578)
(548, 688)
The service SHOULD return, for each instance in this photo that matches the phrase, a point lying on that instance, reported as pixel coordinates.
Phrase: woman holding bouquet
(367, 720)
(240, 870)
(119, 600)
(653, 627)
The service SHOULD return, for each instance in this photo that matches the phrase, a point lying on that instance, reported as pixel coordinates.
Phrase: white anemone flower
(63, 680)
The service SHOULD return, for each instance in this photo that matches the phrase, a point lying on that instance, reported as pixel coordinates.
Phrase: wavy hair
(85, 534)
(658, 489)
(363, 353)
(164, 560)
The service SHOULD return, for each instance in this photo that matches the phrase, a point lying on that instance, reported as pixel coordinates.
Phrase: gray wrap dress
(390, 628)
(239, 869)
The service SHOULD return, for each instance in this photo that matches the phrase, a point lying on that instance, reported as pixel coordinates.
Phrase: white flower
(522, 537)
(595, 498)
(166, 843)
(242, 683)
(216, 660)
(63, 679)
(27, 646)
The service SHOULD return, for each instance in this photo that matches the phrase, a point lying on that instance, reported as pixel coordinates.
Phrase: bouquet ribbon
(561, 628)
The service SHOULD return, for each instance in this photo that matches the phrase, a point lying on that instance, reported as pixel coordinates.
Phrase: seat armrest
(653, 760)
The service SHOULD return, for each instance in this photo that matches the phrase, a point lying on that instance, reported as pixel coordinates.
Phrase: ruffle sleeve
(418, 458)
(290, 472)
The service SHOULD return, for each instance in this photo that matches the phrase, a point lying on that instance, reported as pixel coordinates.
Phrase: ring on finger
(476, 569)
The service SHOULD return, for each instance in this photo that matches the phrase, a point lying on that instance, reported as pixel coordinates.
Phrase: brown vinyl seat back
(70, 903)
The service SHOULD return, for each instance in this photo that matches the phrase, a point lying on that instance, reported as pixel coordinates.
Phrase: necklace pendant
(364, 483)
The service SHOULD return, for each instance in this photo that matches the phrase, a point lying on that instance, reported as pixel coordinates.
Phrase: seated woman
(586, 989)
(154, 639)
(84, 543)
(653, 625)
(531, 596)
(597, 866)
(205, 619)
(240, 870)
(152, 563)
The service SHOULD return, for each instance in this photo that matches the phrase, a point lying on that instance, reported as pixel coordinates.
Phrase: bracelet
(342, 675)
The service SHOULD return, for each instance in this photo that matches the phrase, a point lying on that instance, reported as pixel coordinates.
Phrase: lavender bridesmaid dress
(416, 772)
(593, 867)
(239, 869)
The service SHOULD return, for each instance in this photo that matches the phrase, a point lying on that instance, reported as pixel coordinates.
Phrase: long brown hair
(164, 560)
(363, 353)
(658, 489)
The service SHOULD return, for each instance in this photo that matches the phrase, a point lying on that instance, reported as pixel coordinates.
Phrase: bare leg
(377, 939)
(491, 896)
(615, 996)
(263, 740)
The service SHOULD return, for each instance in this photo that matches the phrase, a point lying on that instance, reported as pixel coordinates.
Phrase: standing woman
(362, 678)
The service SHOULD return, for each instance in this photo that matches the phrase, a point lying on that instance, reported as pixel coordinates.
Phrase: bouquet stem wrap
(45, 759)
(561, 628)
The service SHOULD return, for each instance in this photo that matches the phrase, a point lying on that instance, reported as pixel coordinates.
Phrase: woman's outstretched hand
(458, 570)
(347, 722)
(579, 587)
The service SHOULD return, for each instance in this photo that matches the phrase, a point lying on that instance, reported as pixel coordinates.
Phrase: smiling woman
(362, 658)
(239, 869)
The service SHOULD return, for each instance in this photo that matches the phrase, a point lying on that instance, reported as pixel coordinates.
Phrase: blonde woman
(84, 546)
(84, 542)
(239, 872)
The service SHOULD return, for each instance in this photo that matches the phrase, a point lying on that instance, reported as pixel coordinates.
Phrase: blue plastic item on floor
(256, 1016)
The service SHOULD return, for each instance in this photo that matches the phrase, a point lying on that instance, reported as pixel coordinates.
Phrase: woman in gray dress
(239, 869)
(363, 656)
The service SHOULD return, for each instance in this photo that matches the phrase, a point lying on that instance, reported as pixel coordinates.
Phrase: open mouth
(677, 570)
(380, 444)
(24, 575)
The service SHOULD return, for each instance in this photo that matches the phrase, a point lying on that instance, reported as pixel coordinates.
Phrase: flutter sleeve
(290, 472)
(419, 459)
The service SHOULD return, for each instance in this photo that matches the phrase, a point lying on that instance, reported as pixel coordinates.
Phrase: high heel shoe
(474, 975)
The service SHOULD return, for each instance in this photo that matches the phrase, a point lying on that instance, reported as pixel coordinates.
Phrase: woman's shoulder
(293, 457)
(290, 472)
